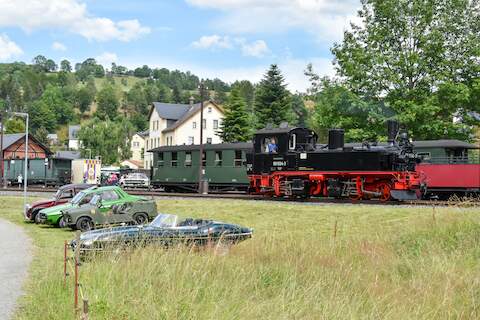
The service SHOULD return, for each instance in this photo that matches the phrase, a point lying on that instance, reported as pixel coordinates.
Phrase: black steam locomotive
(289, 162)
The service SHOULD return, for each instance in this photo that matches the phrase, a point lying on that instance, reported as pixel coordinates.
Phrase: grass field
(377, 263)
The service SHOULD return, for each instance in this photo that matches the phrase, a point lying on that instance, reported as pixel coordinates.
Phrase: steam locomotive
(288, 162)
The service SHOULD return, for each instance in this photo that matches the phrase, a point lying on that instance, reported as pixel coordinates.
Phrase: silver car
(135, 180)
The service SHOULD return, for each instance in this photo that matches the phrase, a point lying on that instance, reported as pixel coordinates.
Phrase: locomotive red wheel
(384, 189)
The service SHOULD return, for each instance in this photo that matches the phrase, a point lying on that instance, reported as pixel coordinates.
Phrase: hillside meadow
(304, 262)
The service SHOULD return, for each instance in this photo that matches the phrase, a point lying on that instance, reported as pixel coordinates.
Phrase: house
(73, 142)
(132, 164)
(67, 154)
(178, 124)
(137, 145)
(14, 147)
(52, 138)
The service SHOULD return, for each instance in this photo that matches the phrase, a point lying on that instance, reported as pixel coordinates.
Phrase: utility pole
(2, 119)
(202, 89)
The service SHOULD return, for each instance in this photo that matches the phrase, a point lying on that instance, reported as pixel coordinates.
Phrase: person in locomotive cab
(272, 146)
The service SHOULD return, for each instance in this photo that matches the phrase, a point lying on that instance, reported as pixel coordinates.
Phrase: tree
(40, 62)
(14, 125)
(65, 66)
(247, 91)
(50, 65)
(300, 111)
(54, 100)
(41, 134)
(272, 99)
(107, 103)
(404, 51)
(176, 95)
(143, 72)
(42, 116)
(83, 99)
(220, 97)
(236, 124)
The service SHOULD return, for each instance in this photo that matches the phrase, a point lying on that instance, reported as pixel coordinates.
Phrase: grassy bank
(378, 262)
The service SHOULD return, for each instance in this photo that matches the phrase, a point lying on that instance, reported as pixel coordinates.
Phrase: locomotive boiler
(289, 162)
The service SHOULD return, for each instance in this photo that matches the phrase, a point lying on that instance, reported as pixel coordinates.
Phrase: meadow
(304, 262)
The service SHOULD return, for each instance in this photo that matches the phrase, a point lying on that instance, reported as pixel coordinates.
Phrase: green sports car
(113, 195)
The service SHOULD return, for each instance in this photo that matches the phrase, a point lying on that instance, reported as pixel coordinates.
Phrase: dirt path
(15, 256)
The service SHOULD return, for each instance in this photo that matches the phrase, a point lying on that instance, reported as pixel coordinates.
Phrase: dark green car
(110, 208)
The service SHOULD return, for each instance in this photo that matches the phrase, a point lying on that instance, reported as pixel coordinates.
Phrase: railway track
(243, 196)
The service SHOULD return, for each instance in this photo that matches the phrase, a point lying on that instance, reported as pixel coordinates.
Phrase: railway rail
(458, 202)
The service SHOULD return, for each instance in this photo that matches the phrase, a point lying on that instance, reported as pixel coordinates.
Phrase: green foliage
(419, 57)
(41, 134)
(87, 68)
(220, 97)
(106, 138)
(247, 91)
(41, 116)
(236, 125)
(65, 66)
(84, 98)
(107, 103)
(54, 99)
(15, 125)
(143, 72)
(176, 95)
(300, 111)
(272, 99)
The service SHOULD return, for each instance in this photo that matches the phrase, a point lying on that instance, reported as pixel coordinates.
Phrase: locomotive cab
(275, 149)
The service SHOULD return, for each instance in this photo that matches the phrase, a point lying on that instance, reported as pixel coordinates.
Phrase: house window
(158, 142)
(157, 124)
(204, 159)
(209, 140)
(136, 144)
(238, 158)
(215, 124)
(146, 142)
(194, 124)
(160, 159)
(188, 159)
(174, 159)
(204, 122)
(191, 140)
(218, 158)
(209, 109)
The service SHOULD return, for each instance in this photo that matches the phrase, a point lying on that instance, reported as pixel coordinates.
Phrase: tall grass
(379, 263)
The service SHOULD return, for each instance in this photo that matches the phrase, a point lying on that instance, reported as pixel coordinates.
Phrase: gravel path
(15, 257)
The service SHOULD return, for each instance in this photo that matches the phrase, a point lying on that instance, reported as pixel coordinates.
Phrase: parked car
(165, 230)
(63, 195)
(115, 194)
(135, 180)
(103, 210)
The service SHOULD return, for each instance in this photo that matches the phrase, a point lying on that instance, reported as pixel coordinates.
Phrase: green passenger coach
(175, 168)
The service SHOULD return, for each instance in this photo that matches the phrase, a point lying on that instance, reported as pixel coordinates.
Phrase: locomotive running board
(404, 194)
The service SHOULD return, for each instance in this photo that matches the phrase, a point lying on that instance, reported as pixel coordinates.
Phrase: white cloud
(71, 15)
(213, 42)
(8, 48)
(257, 48)
(106, 59)
(58, 46)
(327, 19)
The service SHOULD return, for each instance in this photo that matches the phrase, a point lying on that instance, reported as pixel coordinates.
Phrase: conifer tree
(272, 99)
(235, 126)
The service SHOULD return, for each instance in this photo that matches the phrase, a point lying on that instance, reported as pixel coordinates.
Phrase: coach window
(238, 158)
(174, 159)
(292, 143)
(218, 158)
(188, 159)
(269, 145)
(425, 155)
(204, 159)
(160, 159)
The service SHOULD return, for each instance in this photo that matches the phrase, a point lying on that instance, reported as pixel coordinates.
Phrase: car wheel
(84, 224)
(140, 218)
(34, 215)
(38, 220)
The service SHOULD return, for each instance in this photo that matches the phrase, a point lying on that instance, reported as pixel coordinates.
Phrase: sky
(228, 39)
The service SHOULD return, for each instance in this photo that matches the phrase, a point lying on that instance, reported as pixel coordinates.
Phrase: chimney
(192, 99)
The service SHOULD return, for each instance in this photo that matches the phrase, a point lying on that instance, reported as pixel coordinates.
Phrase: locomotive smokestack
(392, 128)
(335, 138)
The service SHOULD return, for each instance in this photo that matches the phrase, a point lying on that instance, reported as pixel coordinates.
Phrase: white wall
(137, 150)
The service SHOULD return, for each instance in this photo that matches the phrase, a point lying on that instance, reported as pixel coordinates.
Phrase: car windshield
(164, 221)
(78, 197)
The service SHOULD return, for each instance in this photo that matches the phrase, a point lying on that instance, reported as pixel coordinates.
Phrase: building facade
(178, 124)
(137, 145)
(73, 142)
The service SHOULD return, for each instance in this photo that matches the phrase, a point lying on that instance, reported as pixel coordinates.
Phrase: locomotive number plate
(279, 163)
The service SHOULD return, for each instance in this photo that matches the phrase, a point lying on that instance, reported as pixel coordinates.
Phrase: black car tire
(37, 218)
(33, 217)
(140, 218)
(84, 224)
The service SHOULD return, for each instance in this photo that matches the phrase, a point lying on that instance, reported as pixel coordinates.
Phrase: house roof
(143, 134)
(72, 131)
(193, 110)
(171, 111)
(9, 139)
(137, 163)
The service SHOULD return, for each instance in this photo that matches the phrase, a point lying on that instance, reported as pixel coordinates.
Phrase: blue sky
(229, 39)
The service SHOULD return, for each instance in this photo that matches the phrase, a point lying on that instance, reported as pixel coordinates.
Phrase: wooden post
(335, 230)
(77, 259)
(65, 264)
(433, 215)
(85, 310)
